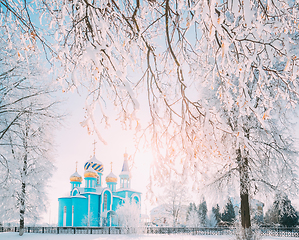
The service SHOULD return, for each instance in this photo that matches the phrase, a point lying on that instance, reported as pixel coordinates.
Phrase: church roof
(95, 160)
(125, 166)
(125, 169)
(126, 190)
(76, 174)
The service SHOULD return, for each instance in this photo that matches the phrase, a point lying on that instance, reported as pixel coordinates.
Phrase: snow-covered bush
(129, 217)
(193, 218)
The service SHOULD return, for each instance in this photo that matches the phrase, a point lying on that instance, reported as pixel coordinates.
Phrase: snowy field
(38, 236)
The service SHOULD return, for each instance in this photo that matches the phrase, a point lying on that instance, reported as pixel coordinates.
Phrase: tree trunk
(245, 212)
(23, 196)
(244, 195)
(22, 209)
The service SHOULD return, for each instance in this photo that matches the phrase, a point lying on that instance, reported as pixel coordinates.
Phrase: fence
(277, 232)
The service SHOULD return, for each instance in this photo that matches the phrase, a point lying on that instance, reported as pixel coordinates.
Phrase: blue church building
(95, 204)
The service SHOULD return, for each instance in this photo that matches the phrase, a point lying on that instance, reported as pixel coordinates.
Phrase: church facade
(94, 204)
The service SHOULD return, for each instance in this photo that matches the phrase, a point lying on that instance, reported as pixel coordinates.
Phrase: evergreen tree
(287, 215)
(216, 211)
(202, 212)
(229, 213)
(191, 208)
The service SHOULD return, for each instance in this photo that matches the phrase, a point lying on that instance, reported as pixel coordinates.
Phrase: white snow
(38, 236)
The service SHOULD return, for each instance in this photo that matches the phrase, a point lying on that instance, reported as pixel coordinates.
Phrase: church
(94, 204)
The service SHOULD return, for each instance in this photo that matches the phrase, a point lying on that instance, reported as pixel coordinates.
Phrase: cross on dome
(111, 166)
(126, 154)
(94, 147)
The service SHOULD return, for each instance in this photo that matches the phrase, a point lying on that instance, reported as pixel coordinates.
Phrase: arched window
(75, 192)
(64, 216)
(105, 202)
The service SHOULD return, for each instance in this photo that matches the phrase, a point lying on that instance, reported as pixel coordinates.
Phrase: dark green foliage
(202, 212)
(216, 211)
(228, 215)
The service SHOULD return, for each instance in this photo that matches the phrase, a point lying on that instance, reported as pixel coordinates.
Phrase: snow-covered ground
(38, 236)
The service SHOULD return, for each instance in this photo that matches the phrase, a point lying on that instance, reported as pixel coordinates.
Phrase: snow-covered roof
(125, 169)
(118, 197)
(111, 178)
(75, 177)
(111, 175)
(95, 160)
(126, 189)
(91, 170)
(99, 189)
(125, 166)
(65, 197)
(78, 196)
(76, 174)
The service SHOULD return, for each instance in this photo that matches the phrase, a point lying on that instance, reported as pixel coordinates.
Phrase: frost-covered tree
(211, 221)
(129, 216)
(27, 149)
(15, 91)
(28, 116)
(242, 54)
(174, 199)
(192, 217)
(29, 164)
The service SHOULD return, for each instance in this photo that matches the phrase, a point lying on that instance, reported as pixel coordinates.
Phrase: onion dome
(76, 177)
(91, 173)
(95, 164)
(111, 178)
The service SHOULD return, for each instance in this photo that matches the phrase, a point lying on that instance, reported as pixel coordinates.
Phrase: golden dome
(76, 177)
(111, 178)
(91, 173)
